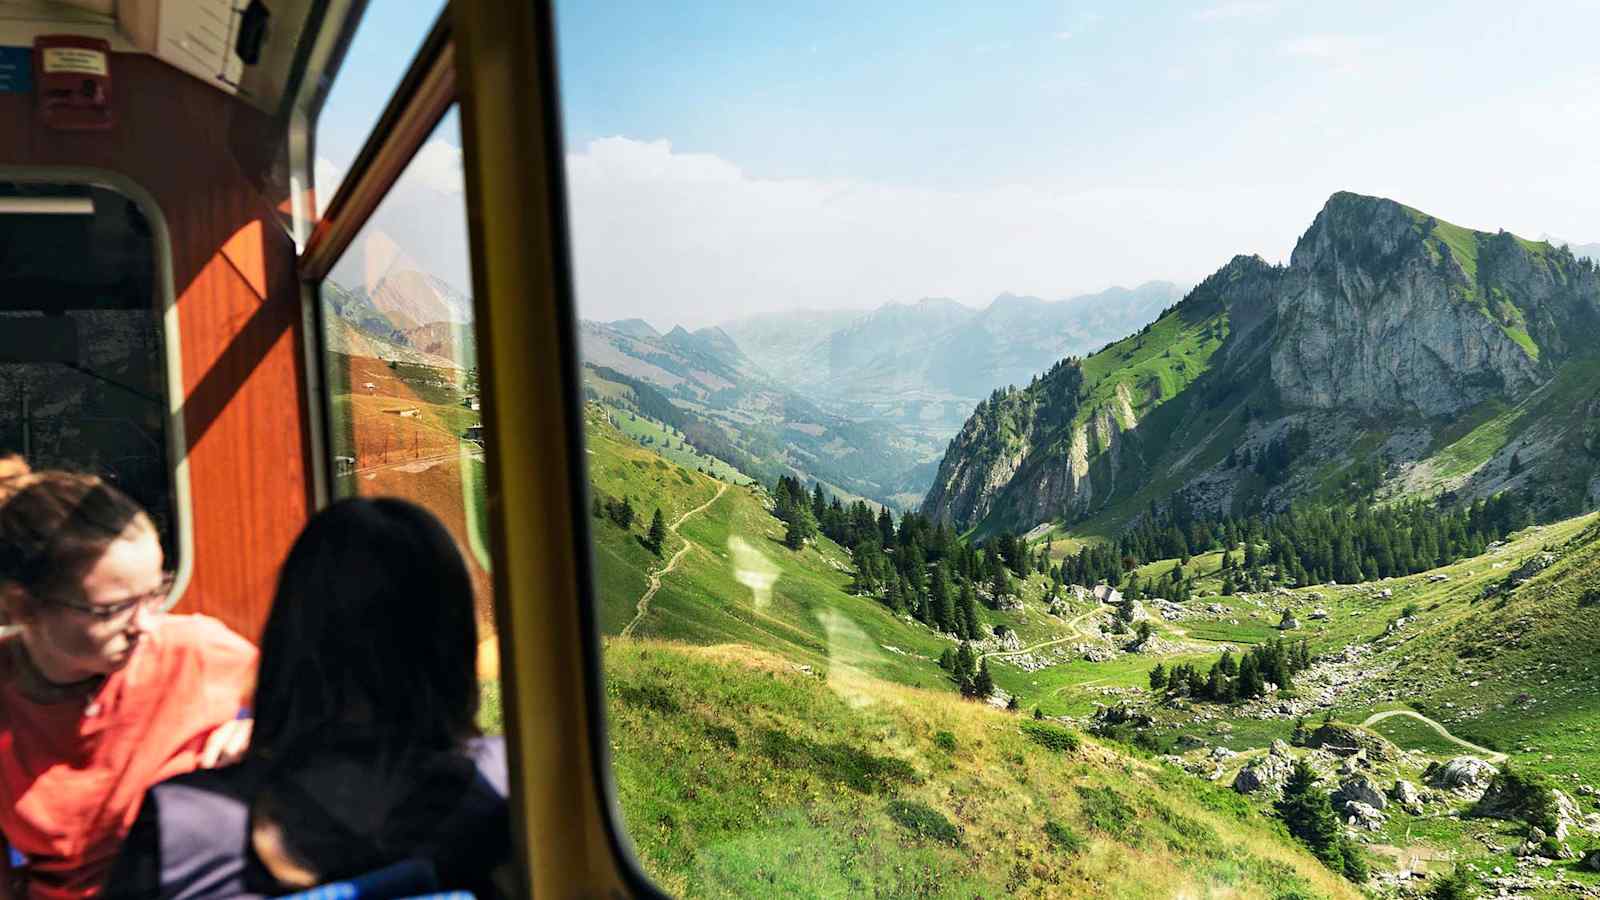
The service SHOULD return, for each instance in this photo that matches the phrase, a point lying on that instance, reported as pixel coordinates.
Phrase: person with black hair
(366, 751)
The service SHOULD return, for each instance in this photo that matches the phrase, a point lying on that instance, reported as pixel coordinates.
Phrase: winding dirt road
(1072, 624)
(655, 577)
(1492, 756)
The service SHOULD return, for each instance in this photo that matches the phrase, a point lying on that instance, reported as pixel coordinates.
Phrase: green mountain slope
(1495, 657)
(739, 775)
(773, 734)
(1428, 353)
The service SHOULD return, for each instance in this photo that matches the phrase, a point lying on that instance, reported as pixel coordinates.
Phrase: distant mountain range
(924, 365)
(861, 401)
(1395, 355)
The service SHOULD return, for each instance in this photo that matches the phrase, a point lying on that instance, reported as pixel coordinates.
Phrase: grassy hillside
(740, 775)
(737, 581)
(1512, 669)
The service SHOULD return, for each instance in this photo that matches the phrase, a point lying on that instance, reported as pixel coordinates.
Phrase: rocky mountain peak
(1356, 228)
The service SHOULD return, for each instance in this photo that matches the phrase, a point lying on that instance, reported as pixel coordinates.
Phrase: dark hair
(54, 525)
(372, 627)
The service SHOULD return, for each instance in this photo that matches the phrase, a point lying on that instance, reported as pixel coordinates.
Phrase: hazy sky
(754, 156)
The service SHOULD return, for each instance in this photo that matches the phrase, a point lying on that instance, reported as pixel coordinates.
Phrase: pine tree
(658, 533)
(1308, 813)
(942, 610)
(802, 527)
(984, 683)
(1158, 677)
(969, 609)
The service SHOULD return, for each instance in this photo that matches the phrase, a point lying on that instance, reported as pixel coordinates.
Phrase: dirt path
(1072, 625)
(1493, 757)
(655, 577)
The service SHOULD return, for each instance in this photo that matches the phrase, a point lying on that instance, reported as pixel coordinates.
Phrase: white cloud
(1325, 46)
(687, 238)
(437, 166)
(1240, 9)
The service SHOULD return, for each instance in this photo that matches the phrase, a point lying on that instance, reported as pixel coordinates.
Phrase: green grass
(1154, 367)
(806, 611)
(739, 776)
(670, 445)
(1495, 427)
(1409, 734)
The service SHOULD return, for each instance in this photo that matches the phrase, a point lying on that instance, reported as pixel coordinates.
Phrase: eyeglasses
(122, 610)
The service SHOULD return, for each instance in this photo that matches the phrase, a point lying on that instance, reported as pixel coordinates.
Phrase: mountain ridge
(1386, 331)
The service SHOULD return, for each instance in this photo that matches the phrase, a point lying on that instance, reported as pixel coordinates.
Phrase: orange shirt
(72, 774)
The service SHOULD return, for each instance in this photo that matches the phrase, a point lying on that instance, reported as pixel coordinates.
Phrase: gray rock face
(1466, 776)
(1382, 311)
(1405, 793)
(1372, 320)
(1267, 773)
(1361, 789)
(1360, 815)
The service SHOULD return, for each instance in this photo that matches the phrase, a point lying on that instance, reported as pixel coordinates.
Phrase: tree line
(1231, 680)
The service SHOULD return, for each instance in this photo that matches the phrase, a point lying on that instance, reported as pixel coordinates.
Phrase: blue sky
(730, 157)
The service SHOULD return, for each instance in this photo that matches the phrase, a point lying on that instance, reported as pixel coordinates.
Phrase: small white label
(73, 61)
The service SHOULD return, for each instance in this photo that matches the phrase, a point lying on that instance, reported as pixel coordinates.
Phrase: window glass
(1064, 449)
(381, 50)
(401, 363)
(83, 366)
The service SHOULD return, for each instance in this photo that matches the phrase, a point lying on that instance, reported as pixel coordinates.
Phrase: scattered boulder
(1360, 815)
(1386, 594)
(1280, 748)
(1349, 740)
(1009, 641)
(1318, 613)
(1591, 860)
(1465, 776)
(1435, 579)
(1405, 793)
(1532, 566)
(1268, 773)
(1222, 754)
(1120, 714)
(1189, 742)
(1363, 790)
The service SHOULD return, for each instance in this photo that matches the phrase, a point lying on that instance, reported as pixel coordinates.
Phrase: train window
(400, 361)
(383, 44)
(1034, 451)
(84, 366)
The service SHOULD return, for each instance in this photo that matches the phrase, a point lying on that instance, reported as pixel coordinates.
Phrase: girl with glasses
(102, 694)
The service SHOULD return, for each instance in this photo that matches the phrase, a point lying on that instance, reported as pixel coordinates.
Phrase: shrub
(1591, 597)
(923, 821)
(1065, 838)
(1454, 886)
(1051, 737)
(1523, 794)
(945, 741)
(1106, 810)
(650, 696)
(727, 737)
